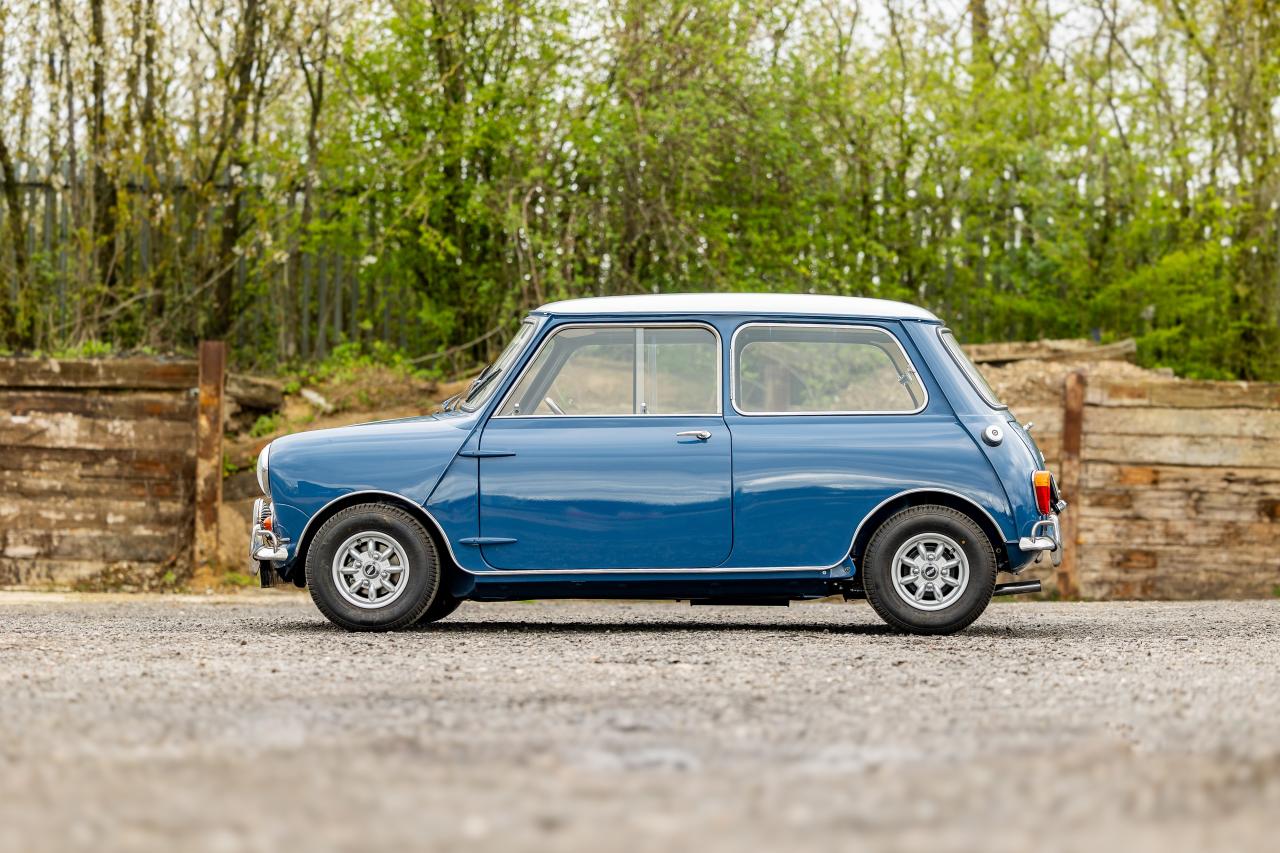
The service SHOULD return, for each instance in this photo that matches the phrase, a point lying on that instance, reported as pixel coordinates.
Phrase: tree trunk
(104, 190)
(238, 161)
(9, 312)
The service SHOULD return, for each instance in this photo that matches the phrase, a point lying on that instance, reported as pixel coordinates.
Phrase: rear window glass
(970, 369)
(800, 369)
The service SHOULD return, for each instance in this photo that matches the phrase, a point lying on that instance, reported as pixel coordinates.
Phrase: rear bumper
(1045, 536)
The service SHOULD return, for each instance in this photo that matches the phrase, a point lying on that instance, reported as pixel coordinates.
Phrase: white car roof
(739, 303)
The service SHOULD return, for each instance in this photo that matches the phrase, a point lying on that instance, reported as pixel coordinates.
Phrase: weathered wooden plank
(66, 430)
(113, 513)
(70, 487)
(1168, 533)
(1186, 394)
(98, 464)
(1175, 478)
(1175, 573)
(1147, 421)
(158, 544)
(129, 405)
(1073, 393)
(1182, 450)
(139, 373)
(208, 484)
(45, 572)
(1061, 350)
(1141, 503)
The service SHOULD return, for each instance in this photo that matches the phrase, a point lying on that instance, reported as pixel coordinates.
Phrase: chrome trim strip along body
(715, 570)
(733, 367)
(639, 327)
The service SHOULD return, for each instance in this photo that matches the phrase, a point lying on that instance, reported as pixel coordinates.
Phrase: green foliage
(91, 348)
(266, 424)
(469, 161)
(349, 359)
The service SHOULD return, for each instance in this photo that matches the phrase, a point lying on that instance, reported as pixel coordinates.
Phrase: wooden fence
(1174, 487)
(111, 470)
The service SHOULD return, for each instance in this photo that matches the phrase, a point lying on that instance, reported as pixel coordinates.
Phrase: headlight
(263, 482)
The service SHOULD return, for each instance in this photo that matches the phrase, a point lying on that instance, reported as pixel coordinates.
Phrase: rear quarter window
(821, 369)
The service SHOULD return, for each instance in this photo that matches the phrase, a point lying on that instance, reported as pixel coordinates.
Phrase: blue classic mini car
(718, 448)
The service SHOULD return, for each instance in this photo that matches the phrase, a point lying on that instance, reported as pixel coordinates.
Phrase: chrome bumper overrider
(264, 545)
(1045, 536)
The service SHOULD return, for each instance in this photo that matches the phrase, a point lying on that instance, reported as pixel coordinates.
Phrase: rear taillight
(1042, 481)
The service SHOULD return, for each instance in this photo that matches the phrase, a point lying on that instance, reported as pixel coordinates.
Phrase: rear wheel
(373, 567)
(929, 570)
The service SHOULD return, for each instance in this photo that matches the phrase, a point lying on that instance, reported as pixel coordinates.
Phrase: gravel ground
(249, 723)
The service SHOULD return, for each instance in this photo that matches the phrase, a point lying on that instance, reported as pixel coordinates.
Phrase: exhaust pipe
(1016, 588)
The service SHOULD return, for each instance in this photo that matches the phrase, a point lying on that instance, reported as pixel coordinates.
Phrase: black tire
(891, 603)
(421, 582)
(444, 605)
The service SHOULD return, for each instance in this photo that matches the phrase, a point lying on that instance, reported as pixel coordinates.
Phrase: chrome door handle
(700, 434)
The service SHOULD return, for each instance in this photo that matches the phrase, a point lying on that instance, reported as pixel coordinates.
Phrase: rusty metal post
(209, 418)
(1072, 440)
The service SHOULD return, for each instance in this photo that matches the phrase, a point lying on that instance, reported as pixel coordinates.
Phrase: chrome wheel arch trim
(417, 507)
(925, 489)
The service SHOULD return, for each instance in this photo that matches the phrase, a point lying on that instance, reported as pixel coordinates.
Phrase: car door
(609, 453)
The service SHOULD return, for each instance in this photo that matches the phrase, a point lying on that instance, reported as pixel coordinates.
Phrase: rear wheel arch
(896, 504)
(448, 565)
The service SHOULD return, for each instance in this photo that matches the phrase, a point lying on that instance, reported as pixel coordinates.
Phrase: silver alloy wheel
(930, 571)
(370, 570)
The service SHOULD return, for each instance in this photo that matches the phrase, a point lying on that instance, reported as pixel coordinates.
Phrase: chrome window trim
(733, 367)
(993, 403)
(638, 369)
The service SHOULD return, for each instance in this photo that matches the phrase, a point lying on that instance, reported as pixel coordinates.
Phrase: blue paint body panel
(606, 493)
(606, 507)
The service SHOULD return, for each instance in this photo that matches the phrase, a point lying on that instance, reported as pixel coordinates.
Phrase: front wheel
(373, 567)
(444, 605)
(929, 570)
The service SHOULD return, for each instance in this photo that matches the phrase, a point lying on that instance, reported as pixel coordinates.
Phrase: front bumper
(264, 545)
(1045, 536)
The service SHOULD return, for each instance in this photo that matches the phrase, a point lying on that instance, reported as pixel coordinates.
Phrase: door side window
(681, 372)
(797, 369)
(621, 370)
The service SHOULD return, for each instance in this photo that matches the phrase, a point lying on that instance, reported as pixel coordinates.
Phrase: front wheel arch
(298, 573)
(869, 525)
